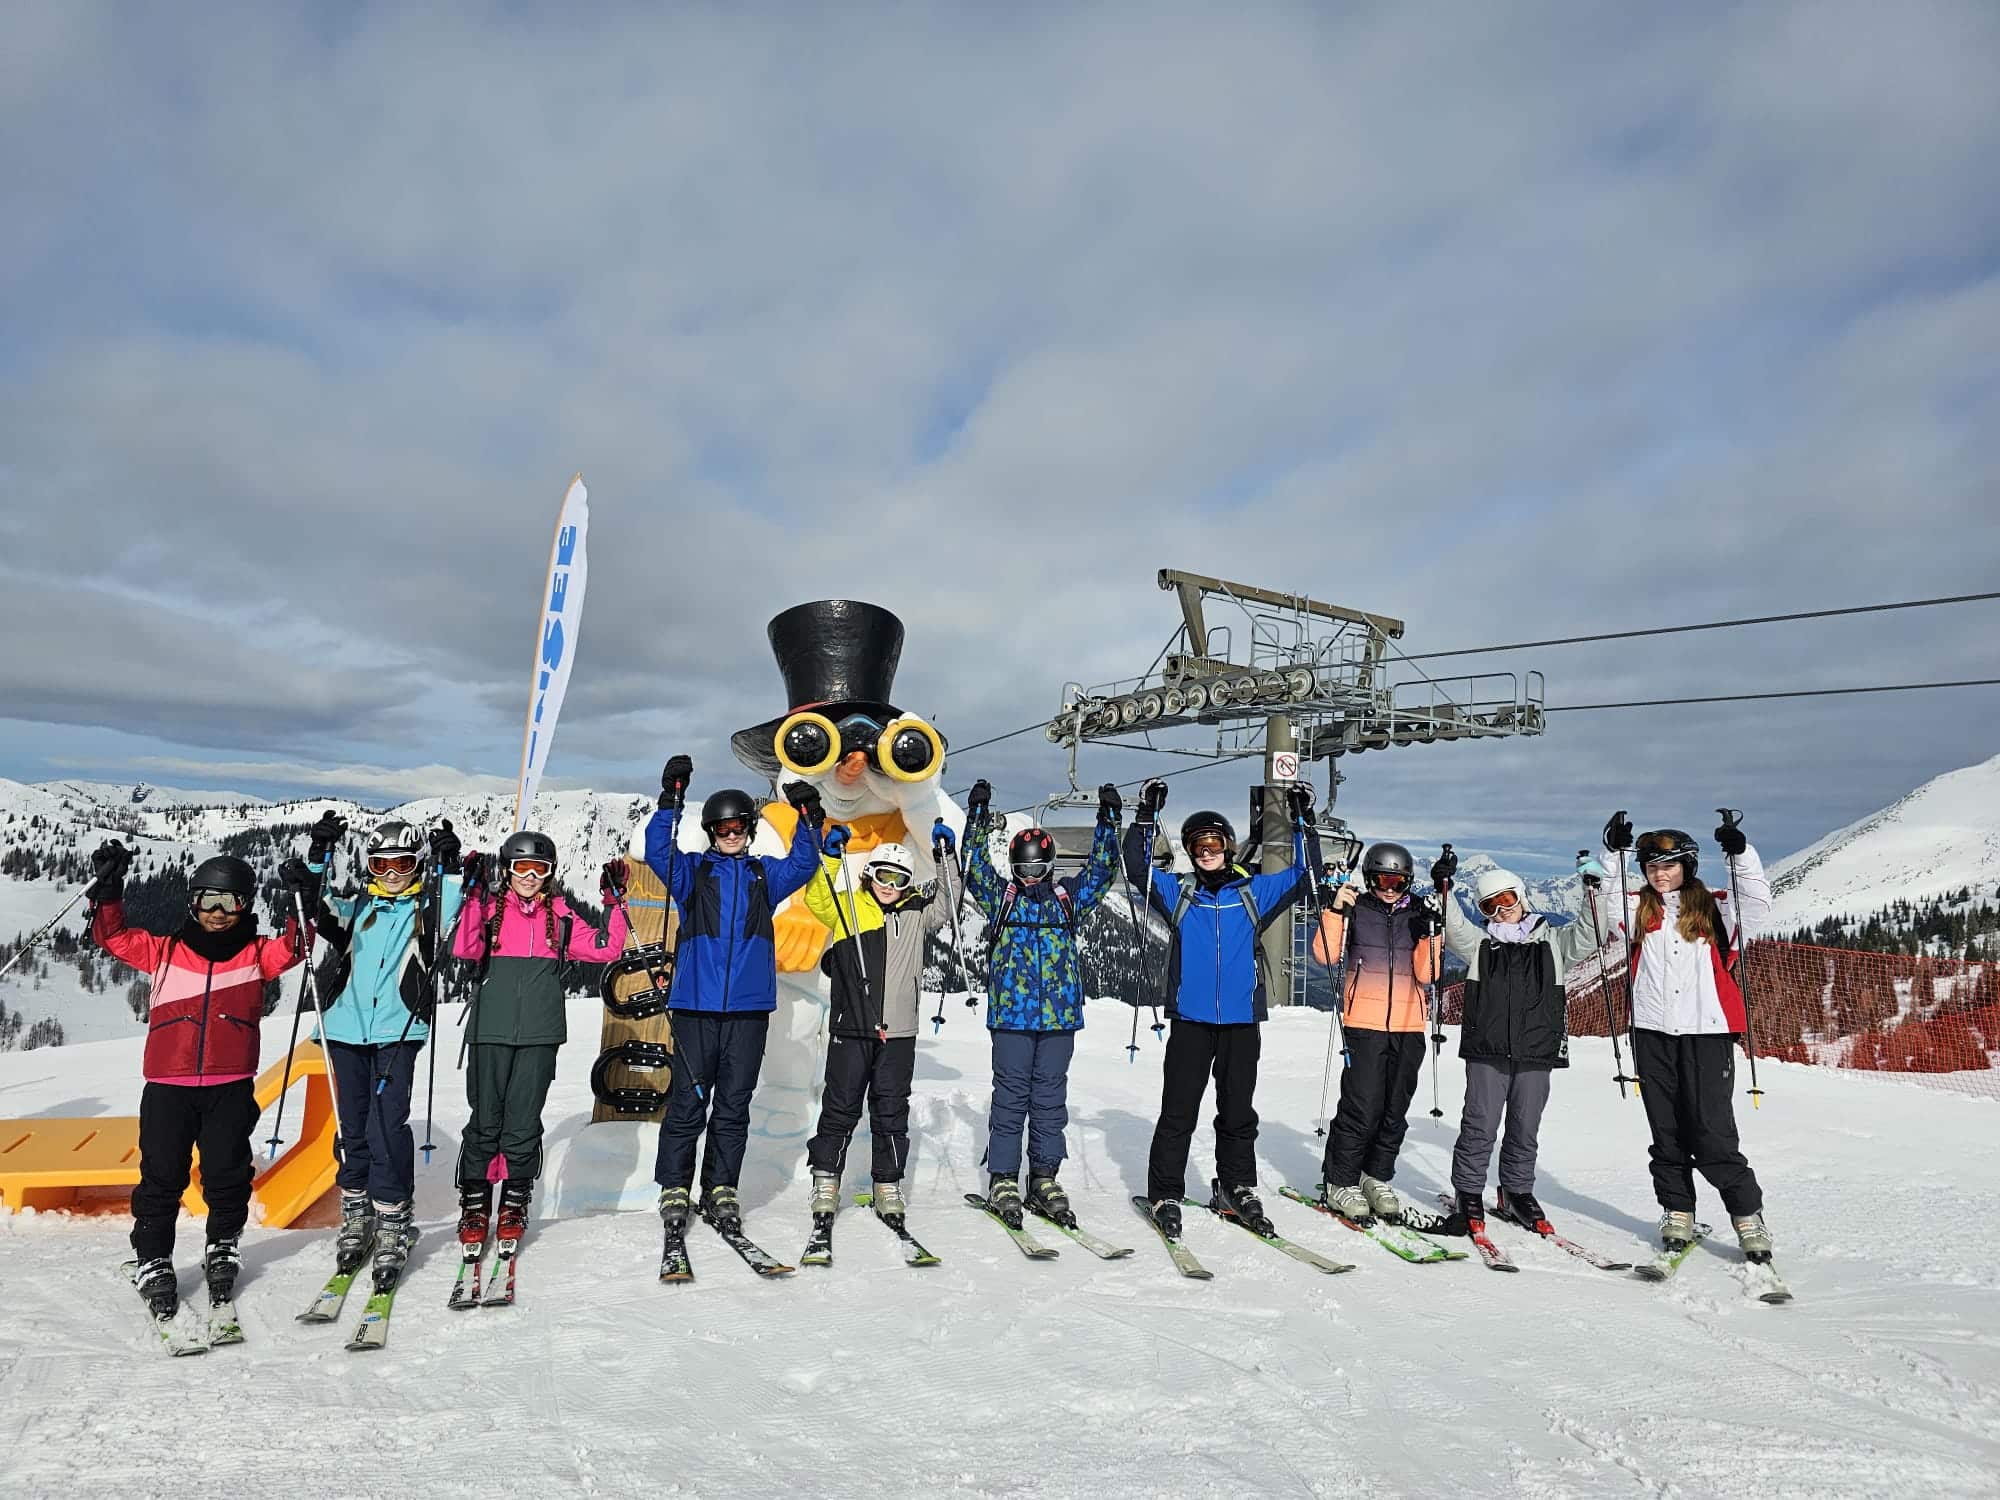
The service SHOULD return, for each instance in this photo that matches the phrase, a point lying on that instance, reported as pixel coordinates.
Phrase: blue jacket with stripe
(1212, 971)
(727, 958)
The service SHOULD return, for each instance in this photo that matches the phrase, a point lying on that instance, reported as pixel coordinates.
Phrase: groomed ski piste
(995, 1375)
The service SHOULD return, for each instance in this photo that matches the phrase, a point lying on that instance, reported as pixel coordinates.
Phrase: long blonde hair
(1699, 920)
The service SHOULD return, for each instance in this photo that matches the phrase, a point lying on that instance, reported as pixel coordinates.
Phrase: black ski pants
(1687, 1084)
(378, 1150)
(1195, 1051)
(881, 1071)
(1376, 1087)
(176, 1120)
(717, 1058)
(507, 1087)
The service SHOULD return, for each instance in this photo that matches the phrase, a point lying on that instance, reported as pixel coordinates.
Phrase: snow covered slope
(1943, 835)
(996, 1376)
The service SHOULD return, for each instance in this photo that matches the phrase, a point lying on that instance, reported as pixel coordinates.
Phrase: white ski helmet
(1492, 882)
(889, 857)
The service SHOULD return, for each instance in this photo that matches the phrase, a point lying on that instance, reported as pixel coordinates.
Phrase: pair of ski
(372, 1331)
(1497, 1259)
(1403, 1240)
(1184, 1259)
(470, 1288)
(1760, 1278)
(819, 1247)
(1033, 1248)
(183, 1333)
(676, 1266)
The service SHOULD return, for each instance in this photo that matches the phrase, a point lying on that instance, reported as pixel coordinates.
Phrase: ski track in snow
(995, 1376)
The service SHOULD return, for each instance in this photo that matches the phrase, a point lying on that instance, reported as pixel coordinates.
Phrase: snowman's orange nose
(851, 768)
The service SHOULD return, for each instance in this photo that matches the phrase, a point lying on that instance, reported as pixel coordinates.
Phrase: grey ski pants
(1491, 1091)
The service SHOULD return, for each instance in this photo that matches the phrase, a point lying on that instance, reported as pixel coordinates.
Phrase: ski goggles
(392, 864)
(541, 869)
(1207, 843)
(1499, 901)
(1655, 847)
(229, 901)
(889, 877)
(1389, 880)
(903, 749)
(1033, 869)
(730, 828)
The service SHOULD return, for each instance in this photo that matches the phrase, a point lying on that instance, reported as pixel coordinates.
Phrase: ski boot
(1167, 1218)
(720, 1208)
(1348, 1201)
(1047, 1198)
(826, 1194)
(220, 1266)
(396, 1233)
(1382, 1200)
(475, 1207)
(1676, 1229)
(1522, 1209)
(1003, 1195)
(1467, 1216)
(1752, 1236)
(357, 1232)
(156, 1282)
(890, 1205)
(1242, 1200)
(512, 1221)
(674, 1207)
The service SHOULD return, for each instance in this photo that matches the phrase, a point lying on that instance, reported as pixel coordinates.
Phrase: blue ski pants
(1031, 1086)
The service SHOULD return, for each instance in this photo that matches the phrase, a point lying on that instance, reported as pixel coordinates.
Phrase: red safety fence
(1872, 1012)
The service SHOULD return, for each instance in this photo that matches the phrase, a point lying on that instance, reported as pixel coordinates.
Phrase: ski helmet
(727, 803)
(890, 857)
(224, 873)
(1492, 882)
(527, 845)
(1208, 822)
(395, 837)
(1387, 859)
(1664, 845)
(1031, 854)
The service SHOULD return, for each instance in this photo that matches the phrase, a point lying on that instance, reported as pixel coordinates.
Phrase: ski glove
(1109, 804)
(108, 863)
(1731, 838)
(298, 878)
(804, 798)
(1591, 871)
(1299, 797)
(1445, 867)
(328, 831)
(1423, 923)
(1618, 832)
(445, 848)
(979, 800)
(1152, 797)
(834, 840)
(611, 880)
(475, 869)
(942, 843)
(674, 778)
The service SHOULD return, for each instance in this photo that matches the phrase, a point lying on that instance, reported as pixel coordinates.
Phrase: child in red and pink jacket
(201, 1055)
(521, 937)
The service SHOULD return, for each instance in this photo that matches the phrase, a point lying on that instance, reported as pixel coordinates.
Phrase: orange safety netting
(1874, 1012)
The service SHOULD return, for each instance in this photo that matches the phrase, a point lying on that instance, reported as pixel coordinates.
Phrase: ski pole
(1437, 1011)
(953, 900)
(1590, 885)
(291, 1047)
(1731, 817)
(971, 1000)
(1631, 1026)
(1334, 1027)
(34, 938)
(319, 1012)
(441, 957)
(941, 854)
(1139, 938)
(851, 924)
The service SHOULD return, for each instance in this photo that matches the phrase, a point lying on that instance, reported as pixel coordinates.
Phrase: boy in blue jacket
(725, 982)
(1035, 990)
(1215, 997)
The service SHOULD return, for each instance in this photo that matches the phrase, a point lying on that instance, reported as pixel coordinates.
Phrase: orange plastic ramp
(43, 1163)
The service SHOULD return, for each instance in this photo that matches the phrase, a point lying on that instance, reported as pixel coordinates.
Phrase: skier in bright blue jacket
(1215, 996)
(379, 993)
(725, 983)
(1035, 987)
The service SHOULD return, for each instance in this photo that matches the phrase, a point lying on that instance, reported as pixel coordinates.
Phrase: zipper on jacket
(729, 964)
(201, 1036)
(1215, 911)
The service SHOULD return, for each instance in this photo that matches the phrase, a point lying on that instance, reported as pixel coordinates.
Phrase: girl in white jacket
(1687, 1014)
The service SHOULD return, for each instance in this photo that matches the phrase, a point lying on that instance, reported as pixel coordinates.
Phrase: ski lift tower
(1299, 680)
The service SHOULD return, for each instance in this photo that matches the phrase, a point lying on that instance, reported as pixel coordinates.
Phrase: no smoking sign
(1284, 765)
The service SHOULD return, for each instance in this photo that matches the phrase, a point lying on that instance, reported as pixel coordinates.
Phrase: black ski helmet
(1031, 854)
(727, 803)
(1387, 859)
(1206, 821)
(224, 873)
(1664, 845)
(527, 845)
(395, 837)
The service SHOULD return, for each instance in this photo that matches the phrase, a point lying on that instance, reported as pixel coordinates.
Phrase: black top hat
(837, 656)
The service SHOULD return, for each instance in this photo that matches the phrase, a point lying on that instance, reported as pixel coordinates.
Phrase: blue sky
(1512, 323)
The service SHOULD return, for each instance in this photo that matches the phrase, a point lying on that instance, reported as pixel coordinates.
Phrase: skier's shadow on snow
(70, 1108)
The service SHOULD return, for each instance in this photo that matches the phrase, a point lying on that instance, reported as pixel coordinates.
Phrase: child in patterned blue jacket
(1035, 986)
